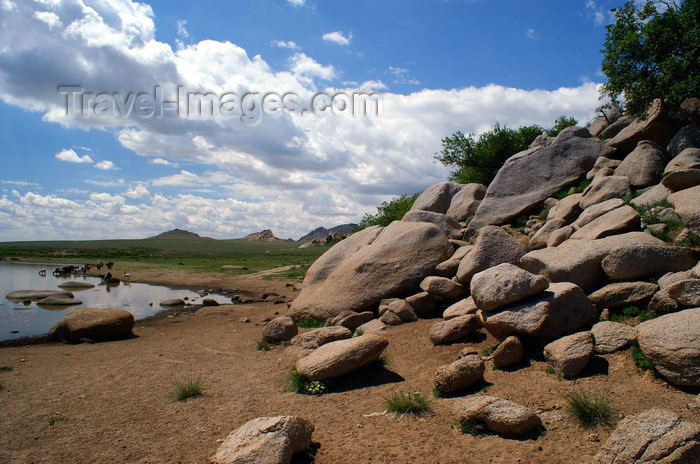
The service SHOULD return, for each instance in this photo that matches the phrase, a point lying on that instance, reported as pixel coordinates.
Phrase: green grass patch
(631, 314)
(551, 371)
(486, 351)
(691, 240)
(263, 345)
(640, 359)
(589, 409)
(579, 188)
(473, 427)
(190, 387)
(311, 323)
(407, 403)
(6, 369)
(56, 419)
(299, 383)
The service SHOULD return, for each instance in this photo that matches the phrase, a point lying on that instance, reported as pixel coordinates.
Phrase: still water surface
(33, 320)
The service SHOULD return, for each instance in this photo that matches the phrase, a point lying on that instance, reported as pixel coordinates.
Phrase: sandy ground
(109, 402)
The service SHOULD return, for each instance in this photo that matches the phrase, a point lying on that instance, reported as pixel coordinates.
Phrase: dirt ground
(109, 402)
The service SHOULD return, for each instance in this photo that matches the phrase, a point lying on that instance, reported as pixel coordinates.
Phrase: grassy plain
(198, 255)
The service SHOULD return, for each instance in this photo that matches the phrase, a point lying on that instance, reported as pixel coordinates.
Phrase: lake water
(18, 320)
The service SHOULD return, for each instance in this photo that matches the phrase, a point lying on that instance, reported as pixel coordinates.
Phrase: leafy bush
(640, 359)
(651, 54)
(479, 159)
(471, 427)
(561, 123)
(407, 403)
(311, 323)
(632, 312)
(190, 387)
(301, 384)
(394, 210)
(589, 409)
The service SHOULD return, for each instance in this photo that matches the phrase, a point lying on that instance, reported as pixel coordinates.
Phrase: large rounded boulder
(96, 324)
(373, 264)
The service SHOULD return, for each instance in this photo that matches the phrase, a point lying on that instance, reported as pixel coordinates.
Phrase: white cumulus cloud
(70, 156)
(337, 37)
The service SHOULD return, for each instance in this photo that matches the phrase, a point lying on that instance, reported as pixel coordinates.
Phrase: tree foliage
(479, 159)
(652, 52)
(394, 210)
(561, 123)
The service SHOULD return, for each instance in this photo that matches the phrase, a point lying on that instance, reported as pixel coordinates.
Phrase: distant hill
(322, 232)
(266, 236)
(177, 233)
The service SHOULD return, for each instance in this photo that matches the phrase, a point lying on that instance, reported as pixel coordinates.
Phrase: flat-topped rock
(33, 295)
(76, 284)
(612, 336)
(622, 293)
(314, 338)
(618, 221)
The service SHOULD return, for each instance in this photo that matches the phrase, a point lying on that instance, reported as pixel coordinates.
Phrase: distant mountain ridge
(321, 232)
(178, 233)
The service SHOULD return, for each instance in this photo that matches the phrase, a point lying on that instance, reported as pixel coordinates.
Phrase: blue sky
(440, 66)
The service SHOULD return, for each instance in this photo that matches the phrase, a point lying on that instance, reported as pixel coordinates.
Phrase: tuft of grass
(631, 312)
(407, 403)
(550, 370)
(486, 351)
(471, 427)
(579, 188)
(55, 419)
(691, 240)
(299, 383)
(589, 409)
(640, 359)
(6, 369)
(311, 323)
(628, 198)
(358, 333)
(437, 393)
(190, 387)
(262, 345)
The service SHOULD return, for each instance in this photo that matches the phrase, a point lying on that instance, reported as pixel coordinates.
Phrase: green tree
(561, 123)
(479, 159)
(651, 53)
(394, 210)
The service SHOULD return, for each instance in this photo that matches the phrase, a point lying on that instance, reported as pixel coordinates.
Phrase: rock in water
(371, 265)
(21, 295)
(95, 324)
(672, 344)
(652, 437)
(340, 357)
(500, 416)
(530, 177)
(76, 284)
(270, 440)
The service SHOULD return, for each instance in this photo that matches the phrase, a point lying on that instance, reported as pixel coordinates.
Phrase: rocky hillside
(177, 233)
(584, 245)
(265, 236)
(321, 233)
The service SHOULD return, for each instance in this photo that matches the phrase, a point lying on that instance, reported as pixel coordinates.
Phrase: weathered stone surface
(596, 211)
(662, 303)
(316, 337)
(602, 163)
(656, 127)
(655, 436)
(449, 226)
(567, 209)
(76, 284)
(209, 302)
(601, 122)
(681, 179)
(570, 355)
(687, 137)
(442, 286)
(579, 261)
(448, 268)
(437, 198)
(402, 309)
(454, 329)
(422, 303)
(463, 373)
(503, 285)
(644, 166)
(280, 329)
(375, 263)
(687, 206)
(340, 357)
(612, 336)
(622, 293)
(559, 236)
(508, 353)
(353, 321)
(461, 252)
(374, 326)
(465, 202)
(270, 440)
(461, 308)
(605, 188)
(391, 318)
(672, 343)
(618, 221)
(560, 310)
(500, 416)
(687, 159)
(686, 292)
(93, 324)
(58, 300)
(541, 237)
(652, 196)
(493, 246)
(628, 263)
(613, 129)
(173, 302)
(33, 295)
(530, 177)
